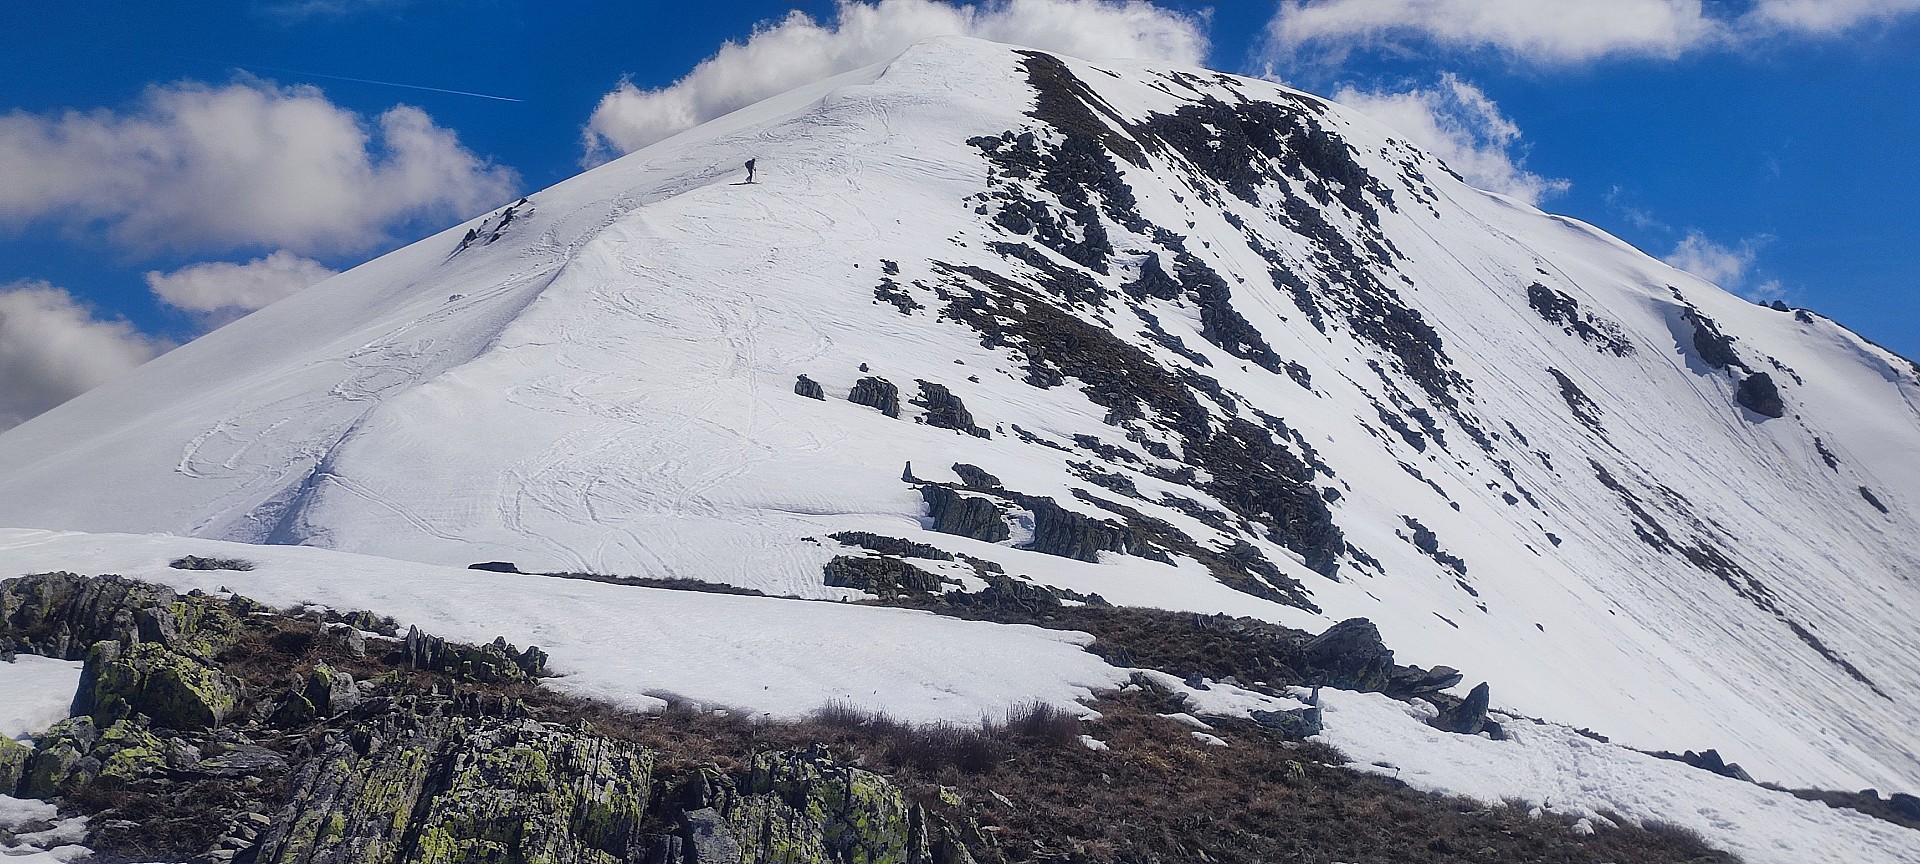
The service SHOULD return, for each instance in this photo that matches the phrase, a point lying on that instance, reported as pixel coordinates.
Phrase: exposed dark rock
(1826, 455)
(1429, 545)
(1348, 656)
(882, 575)
(1558, 307)
(1874, 500)
(196, 562)
(1583, 408)
(1759, 395)
(973, 477)
(876, 393)
(1714, 347)
(1470, 717)
(1708, 760)
(804, 386)
(946, 411)
(1154, 281)
(891, 293)
(495, 661)
(1296, 723)
(891, 545)
(964, 515)
(1406, 682)
(496, 567)
(1062, 532)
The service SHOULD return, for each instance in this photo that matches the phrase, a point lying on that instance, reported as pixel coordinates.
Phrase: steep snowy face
(1173, 337)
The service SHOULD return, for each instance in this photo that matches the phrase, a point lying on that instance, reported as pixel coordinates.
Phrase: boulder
(176, 690)
(14, 757)
(809, 388)
(876, 393)
(1348, 656)
(1406, 682)
(60, 762)
(1470, 716)
(946, 411)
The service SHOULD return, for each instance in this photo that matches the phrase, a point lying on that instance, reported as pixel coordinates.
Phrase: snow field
(1557, 769)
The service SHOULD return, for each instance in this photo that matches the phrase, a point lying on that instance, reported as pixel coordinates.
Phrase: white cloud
(1561, 31)
(1564, 30)
(1723, 265)
(1826, 17)
(226, 290)
(797, 49)
(1458, 123)
(245, 164)
(53, 349)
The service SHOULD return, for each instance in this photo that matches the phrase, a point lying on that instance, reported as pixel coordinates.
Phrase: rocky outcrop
(495, 661)
(437, 764)
(945, 410)
(950, 512)
(418, 779)
(804, 386)
(880, 575)
(1062, 532)
(876, 393)
(975, 477)
(1760, 395)
(1348, 656)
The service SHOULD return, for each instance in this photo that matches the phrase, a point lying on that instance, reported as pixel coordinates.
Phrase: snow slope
(1507, 438)
(1555, 768)
(632, 646)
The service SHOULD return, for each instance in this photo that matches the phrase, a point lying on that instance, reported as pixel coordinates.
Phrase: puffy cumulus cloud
(1458, 123)
(1562, 31)
(226, 290)
(244, 164)
(797, 49)
(1723, 265)
(52, 349)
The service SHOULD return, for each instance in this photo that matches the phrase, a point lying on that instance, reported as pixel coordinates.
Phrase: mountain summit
(1172, 337)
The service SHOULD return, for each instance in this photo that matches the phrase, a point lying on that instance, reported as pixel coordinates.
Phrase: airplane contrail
(383, 83)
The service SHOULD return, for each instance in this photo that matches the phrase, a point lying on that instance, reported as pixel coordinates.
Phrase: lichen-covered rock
(14, 757)
(128, 750)
(60, 762)
(175, 690)
(801, 807)
(446, 782)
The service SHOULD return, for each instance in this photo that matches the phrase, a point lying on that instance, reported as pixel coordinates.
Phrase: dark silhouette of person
(750, 170)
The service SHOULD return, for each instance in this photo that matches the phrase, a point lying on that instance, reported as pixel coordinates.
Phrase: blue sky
(148, 191)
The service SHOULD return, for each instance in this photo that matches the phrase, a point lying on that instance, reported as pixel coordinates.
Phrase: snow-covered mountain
(1202, 342)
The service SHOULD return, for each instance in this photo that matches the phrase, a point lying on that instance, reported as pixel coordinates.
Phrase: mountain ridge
(1249, 332)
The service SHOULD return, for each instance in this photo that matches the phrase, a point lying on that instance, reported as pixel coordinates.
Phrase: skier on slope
(750, 170)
